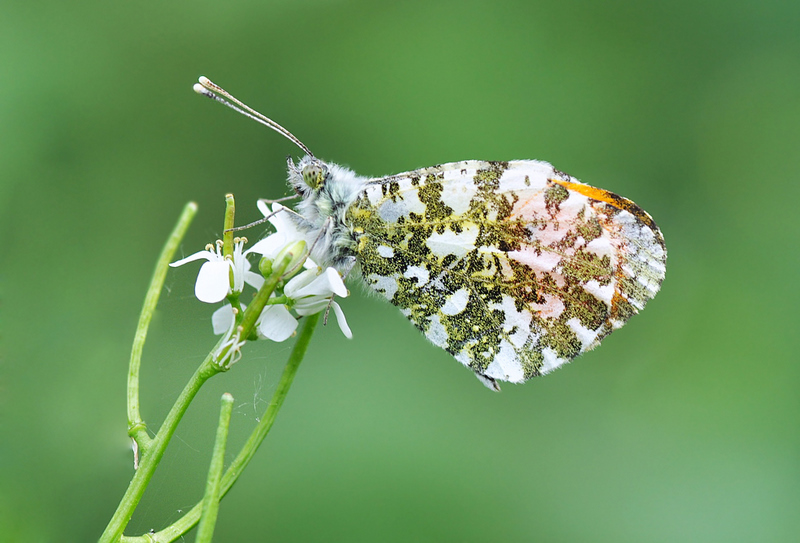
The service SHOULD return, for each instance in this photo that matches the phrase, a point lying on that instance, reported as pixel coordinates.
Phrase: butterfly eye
(314, 175)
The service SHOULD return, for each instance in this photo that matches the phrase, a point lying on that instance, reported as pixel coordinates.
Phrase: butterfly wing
(513, 267)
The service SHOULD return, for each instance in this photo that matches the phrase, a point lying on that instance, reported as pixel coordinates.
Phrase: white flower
(309, 292)
(313, 292)
(214, 279)
(230, 348)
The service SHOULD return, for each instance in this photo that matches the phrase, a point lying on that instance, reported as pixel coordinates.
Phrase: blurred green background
(681, 427)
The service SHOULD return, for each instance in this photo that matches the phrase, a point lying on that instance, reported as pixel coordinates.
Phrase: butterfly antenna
(208, 88)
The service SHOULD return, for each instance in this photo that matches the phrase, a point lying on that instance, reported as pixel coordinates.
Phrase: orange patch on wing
(610, 198)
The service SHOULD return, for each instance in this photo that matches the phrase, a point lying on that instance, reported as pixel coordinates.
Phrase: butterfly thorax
(327, 190)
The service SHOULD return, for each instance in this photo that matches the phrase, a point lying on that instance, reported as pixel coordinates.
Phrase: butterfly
(514, 268)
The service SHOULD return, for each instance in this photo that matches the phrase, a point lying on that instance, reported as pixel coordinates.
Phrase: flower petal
(276, 323)
(208, 255)
(337, 283)
(222, 319)
(213, 281)
(263, 207)
(299, 281)
(281, 220)
(253, 279)
(341, 320)
(240, 267)
(330, 282)
(311, 305)
(269, 246)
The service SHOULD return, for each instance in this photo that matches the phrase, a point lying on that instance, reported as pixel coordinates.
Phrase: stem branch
(185, 523)
(136, 426)
(152, 456)
(208, 518)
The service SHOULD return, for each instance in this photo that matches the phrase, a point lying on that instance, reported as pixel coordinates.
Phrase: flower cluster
(223, 277)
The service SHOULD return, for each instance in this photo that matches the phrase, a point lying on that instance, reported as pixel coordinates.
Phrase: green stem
(136, 426)
(227, 229)
(184, 524)
(153, 455)
(208, 518)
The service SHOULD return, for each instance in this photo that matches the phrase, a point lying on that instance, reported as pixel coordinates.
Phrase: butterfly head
(314, 174)
(308, 176)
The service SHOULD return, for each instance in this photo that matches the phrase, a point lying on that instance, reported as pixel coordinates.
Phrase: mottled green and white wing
(513, 267)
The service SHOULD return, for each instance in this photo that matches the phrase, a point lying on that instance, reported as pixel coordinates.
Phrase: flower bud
(296, 251)
(265, 266)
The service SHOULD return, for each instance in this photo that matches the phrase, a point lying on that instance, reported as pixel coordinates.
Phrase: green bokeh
(682, 427)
